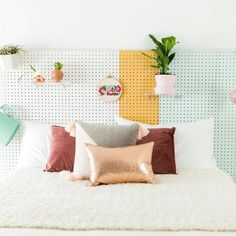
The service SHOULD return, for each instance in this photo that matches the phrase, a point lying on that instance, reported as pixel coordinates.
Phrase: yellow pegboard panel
(137, 79)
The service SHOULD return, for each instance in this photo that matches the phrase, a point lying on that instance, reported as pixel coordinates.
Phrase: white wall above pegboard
(53, 104)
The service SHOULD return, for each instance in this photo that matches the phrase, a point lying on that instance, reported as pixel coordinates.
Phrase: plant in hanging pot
(57, 74)
(165, 82)
(9, 57)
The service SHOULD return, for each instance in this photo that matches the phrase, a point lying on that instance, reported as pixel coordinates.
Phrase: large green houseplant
(9, 56)
(162, 59)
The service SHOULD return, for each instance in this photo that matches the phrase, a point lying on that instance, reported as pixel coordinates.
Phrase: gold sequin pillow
(130, 164)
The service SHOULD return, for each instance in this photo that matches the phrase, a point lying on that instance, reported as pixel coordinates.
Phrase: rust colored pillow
(163, 156)
(62, 152)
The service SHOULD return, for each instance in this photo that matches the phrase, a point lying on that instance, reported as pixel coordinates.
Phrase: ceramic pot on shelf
(165, 84)
(57, 74)
(9, 62)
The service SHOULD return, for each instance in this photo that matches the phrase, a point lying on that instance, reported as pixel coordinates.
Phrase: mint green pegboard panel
(204, 81)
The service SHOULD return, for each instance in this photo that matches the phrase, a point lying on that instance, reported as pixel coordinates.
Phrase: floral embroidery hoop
(109, 89)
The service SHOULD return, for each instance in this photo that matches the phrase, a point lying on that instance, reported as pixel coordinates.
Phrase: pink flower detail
(118, 88)
(110, 93)
(102, 90)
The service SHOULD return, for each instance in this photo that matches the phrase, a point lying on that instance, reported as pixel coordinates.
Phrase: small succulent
(10, 49)
(58, 65)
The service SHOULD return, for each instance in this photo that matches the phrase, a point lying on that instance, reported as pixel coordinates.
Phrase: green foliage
(164, 56)
(33, 68)
(58, 65)
(10, 49)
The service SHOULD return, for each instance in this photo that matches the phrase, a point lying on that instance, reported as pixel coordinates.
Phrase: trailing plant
(163, 51)
(58, 65)
(10, 49)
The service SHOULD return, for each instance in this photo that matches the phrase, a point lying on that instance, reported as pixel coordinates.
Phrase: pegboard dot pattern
(51, 104)
(137, 78)
(204, 82)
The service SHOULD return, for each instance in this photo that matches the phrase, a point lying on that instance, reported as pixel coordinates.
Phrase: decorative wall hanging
(109, 89)
(9, 57)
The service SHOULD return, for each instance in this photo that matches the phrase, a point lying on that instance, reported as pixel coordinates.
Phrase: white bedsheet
(44, 232)
(198, 200)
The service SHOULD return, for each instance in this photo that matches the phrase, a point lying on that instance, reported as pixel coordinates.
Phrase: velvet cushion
(112, 135)
(62, 152)
(163, 156)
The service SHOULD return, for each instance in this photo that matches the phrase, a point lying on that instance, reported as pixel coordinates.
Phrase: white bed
(197, 201)
(44, 232)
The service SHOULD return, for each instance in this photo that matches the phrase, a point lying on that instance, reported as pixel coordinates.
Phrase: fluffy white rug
(200, 200)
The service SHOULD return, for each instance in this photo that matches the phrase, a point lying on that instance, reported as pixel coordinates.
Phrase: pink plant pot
(165, 84)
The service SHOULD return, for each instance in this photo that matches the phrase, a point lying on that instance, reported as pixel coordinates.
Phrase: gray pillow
(112, 135)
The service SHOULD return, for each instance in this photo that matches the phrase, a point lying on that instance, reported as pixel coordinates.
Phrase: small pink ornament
(233, 96)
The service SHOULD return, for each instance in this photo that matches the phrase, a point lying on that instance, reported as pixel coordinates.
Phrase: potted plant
(57, 74)
(165, 82)
(9, 56)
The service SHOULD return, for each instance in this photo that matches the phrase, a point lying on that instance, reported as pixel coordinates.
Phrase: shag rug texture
(193, 200)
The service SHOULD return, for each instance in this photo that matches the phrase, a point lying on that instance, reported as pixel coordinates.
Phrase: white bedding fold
(198, 200)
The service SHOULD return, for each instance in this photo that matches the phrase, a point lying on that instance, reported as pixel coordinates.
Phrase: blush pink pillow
(62, 153)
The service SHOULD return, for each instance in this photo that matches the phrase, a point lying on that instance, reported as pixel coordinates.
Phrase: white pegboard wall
(204, 82)
(51, 104)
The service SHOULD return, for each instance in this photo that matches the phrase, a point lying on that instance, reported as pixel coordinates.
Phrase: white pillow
(122, 121)
(81, 163)
(194, 143)
(35, 145)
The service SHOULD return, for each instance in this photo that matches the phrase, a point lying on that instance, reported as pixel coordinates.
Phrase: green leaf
(148, 56)
(171, 57)
(158, 52)
(166, 60)
(154, 66)
(58, 65)
(33, 68)
(158, 43)
(169, 43)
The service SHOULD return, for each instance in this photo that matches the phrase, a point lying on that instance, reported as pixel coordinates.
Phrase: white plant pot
(9, 62)
(165, 84)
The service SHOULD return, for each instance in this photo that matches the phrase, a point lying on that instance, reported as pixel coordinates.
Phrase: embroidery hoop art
(109, 89)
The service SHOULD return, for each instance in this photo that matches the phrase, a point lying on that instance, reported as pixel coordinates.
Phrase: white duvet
(199, 200)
